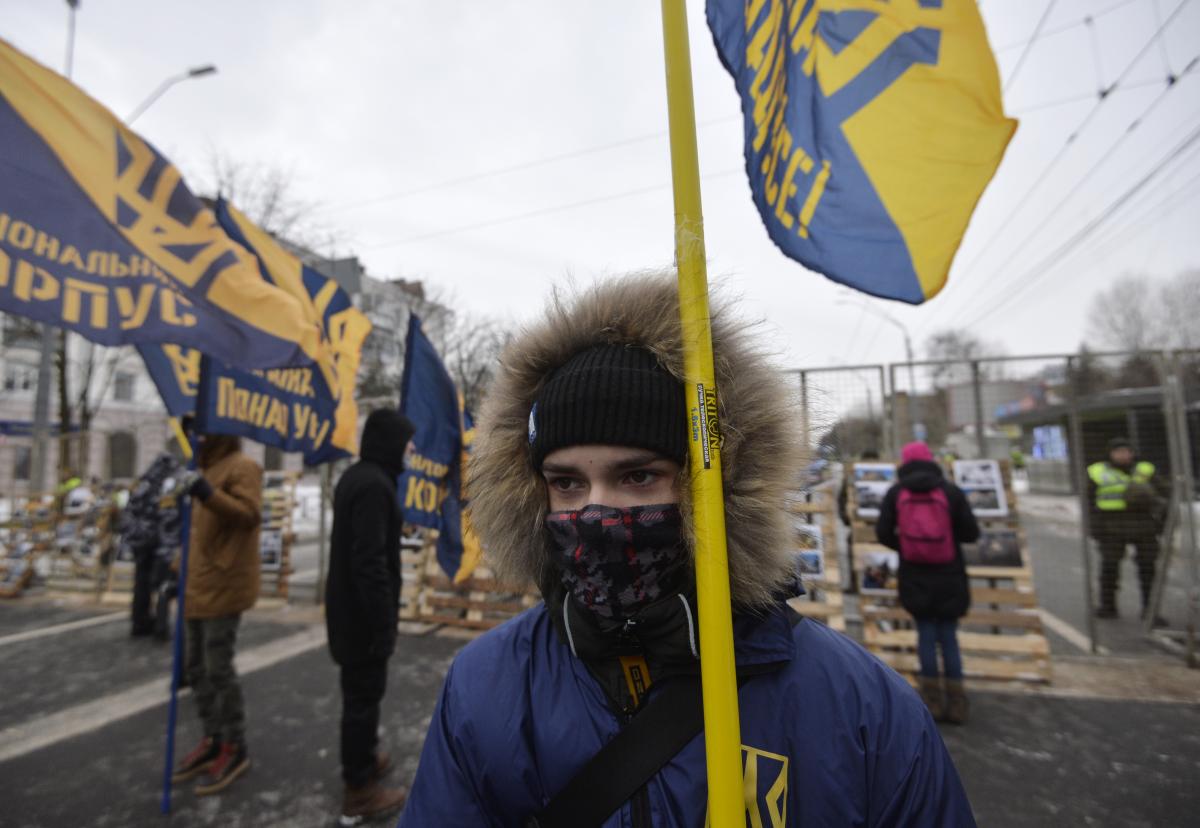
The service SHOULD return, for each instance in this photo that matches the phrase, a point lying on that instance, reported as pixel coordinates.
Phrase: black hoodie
(938, 591)
(362, 593)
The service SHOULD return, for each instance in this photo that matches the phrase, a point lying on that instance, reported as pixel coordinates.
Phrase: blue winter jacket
(832, 738)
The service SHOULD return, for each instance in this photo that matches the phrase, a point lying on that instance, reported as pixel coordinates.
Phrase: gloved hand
(194, 484)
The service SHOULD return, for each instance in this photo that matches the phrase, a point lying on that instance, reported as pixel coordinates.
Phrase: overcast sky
(381, 108)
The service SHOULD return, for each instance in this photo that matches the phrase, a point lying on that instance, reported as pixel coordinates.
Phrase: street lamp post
(918, 428)
(41, 413)
(194, 72)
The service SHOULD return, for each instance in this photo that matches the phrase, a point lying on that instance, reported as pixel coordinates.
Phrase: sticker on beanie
(533, 424)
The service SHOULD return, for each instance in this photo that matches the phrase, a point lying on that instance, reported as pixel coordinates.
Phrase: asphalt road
(1026, 761)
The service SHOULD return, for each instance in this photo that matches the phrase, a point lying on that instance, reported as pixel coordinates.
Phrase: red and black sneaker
(231, 763)
(198, 761)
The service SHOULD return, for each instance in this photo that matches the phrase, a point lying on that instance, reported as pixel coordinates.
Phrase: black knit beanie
(612, 395)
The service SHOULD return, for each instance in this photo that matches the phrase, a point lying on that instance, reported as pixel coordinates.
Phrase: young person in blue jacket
(579, 484)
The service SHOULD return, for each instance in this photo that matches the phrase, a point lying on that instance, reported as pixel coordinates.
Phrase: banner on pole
(311, 410)
(100, 235)
(432, 489)
(871, 130)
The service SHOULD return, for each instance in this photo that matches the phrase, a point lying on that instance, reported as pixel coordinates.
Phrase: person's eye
(564, 484)
(641, 477)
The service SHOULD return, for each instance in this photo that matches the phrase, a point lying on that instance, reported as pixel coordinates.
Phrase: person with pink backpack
(926, 518)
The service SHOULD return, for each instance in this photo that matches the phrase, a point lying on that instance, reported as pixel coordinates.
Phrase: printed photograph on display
(981, 482)
(810, 565)
(871, 483)
(995, 547)
(880, 570)
(270, 547)
(810, 552)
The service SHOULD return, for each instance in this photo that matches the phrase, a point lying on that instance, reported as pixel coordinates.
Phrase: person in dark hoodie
(579, 483)
(926, 519)
(362, 599)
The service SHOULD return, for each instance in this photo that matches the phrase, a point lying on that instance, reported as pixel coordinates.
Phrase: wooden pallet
(822, 600)
(413, 554)
(1001, 639)
(479, 603)
(276, 535)
(78, 561)
(25, 536)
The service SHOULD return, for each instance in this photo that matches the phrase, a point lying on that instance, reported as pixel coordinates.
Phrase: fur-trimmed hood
(759, 459)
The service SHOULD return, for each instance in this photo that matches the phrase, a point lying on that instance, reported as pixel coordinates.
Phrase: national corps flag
(99, 234)
(431, 490)
(310, 410)
(872, 129)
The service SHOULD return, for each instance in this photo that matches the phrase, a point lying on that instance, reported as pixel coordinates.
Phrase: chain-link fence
(1104, 452)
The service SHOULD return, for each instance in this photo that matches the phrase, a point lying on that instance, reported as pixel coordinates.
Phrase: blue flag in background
(872, 129)
(322, 415)
(431, 490)
(99, 234)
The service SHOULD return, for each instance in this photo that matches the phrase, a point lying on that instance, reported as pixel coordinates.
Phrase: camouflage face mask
(616, 561)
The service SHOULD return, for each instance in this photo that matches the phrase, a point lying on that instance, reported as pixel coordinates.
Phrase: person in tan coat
(222, 583)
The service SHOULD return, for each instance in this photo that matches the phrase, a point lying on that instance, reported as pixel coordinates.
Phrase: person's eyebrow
(637, 461)
(555, 468)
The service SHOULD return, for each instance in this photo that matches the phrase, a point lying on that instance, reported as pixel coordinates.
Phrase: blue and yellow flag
(872, 129)
(432, 490)
(311, 410)
(99, 234)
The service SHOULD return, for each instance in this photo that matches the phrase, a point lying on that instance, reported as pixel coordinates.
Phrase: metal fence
(1053, 416)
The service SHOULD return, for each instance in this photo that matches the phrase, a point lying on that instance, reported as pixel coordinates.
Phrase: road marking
(1072, 635)
(42, 632)
(83, 718)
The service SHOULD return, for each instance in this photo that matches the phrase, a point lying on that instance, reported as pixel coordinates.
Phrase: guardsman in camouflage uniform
(141, 524)
(1127, 502)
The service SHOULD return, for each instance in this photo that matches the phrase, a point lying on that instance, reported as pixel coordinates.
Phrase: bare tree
(267, 195)
(1125, 315)
(1142, 313)
(957, 348)
(1179, 300)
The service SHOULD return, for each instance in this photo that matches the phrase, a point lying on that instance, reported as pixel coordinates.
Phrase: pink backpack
(923, 524)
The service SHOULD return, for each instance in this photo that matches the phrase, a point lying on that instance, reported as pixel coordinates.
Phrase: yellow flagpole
(722, 729)
(181, 438)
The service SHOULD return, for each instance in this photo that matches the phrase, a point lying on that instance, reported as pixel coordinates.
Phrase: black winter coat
(938, 591)
(362, 593)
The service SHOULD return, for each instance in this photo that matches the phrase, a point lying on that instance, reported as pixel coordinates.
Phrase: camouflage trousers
(210, 646)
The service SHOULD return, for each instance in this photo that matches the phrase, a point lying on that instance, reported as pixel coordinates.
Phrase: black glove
(201, 489)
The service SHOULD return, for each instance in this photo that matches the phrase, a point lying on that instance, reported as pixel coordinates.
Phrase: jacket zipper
(639, 803)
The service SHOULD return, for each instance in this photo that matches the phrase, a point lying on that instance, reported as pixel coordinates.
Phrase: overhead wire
(1138, 224)
(1065, 27)
(1029, 45)
(1083, 96)
(1081, 181)
(955, 286)
(541, 211)
(518, 167)
(1046, 266)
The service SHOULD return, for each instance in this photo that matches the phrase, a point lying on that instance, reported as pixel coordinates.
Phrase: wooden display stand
(27, 534)
(83, 546)
(478, 603)
(1001, 638)
(276, 535)
(822, 600)
(413, 553)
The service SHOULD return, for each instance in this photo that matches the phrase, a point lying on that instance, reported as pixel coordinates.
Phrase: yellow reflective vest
(1111, 483)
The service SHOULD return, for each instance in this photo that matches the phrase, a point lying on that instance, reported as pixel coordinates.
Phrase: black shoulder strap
(672, 717)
